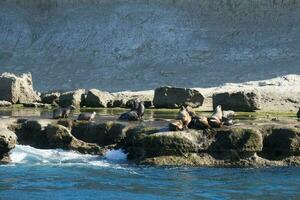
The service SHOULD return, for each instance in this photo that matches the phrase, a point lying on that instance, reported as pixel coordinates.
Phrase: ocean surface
(58, 174)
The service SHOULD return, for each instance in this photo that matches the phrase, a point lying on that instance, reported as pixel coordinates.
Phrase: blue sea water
(58, 174)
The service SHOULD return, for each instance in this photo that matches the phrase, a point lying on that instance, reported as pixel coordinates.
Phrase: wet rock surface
(8, 140)
(47, 134)
(257, 143)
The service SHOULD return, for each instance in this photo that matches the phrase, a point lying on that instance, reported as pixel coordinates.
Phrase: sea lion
(141, 109)
(184, 116)
(190, 110)
(298, 114)
(135, 105)
(86, 116)
(129, 116)
(227, 117)
(215, 121)
(201, 123)
(218, 114)
(228, 114)
(62, 112)
(175, 126)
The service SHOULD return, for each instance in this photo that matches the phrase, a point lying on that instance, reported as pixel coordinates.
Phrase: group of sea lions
(136, 113)
(187, 118)
(64, 112)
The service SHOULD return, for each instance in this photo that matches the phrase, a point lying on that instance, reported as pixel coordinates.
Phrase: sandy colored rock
(50, 98)
(243, 100)
(75, 98)
(8, 140)
(17, 89)
(97, 98)
(5, 103)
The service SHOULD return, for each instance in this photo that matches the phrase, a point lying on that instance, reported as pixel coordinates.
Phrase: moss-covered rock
(142, 144)
(236, 143)
(103, 134)
(282, 142)
(32, 132)
(60, 137)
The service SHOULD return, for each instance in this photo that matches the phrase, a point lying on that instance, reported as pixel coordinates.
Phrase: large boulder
(75, 98)
(97, 98)
(145, 143)
(103, 134)
(282, 142)
(32, 132)
(50, 98)
(60, 137)
(47, 134)
(8, 140)
(244, 100)
(236, 143)
(17, 89)
(173, 97)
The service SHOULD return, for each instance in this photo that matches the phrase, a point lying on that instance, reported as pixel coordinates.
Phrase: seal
(141, 109)
(298, 114)
(175, 126)
(215, 121)
(227, 117)
(129, 116)
(86, 116)
(135, 105)
(184, 117)
(62, 112)
(199, 122)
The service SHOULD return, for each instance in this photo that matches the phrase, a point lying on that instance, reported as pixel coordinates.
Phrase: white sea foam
(23, 154)
(116, 155)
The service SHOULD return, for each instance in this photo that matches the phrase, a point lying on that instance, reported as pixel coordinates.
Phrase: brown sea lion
(141, 109)
(129, 116)
(227, 117)
(184, 116)
(215, 121)
(62, 112)
(199, 122)
(175, 126)
(86, 116)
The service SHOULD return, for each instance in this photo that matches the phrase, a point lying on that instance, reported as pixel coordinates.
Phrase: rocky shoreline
(263, 143)
(259, 144)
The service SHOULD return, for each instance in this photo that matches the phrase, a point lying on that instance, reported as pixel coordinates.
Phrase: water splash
(116, 155)
(23, 154)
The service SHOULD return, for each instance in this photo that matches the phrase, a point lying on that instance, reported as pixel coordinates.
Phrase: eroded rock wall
(140, 44)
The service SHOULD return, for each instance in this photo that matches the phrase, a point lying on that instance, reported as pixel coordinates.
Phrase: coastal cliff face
(120, 45)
